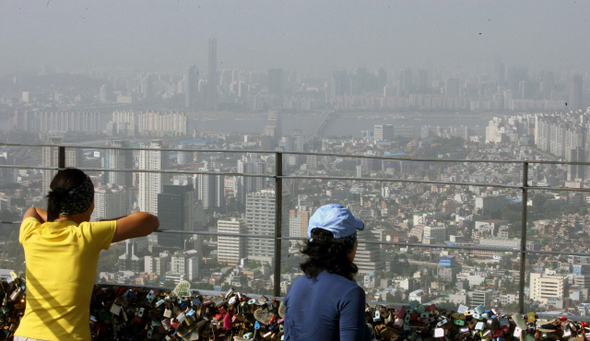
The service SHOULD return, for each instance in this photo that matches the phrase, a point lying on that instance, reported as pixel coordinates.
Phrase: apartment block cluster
(147, 124)
(563, 135)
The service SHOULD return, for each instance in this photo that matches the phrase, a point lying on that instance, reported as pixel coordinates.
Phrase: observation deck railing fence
(279, 176)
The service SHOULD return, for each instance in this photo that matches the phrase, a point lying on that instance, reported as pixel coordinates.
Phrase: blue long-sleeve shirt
(328, 307)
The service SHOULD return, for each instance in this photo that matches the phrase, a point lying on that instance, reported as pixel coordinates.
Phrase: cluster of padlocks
(418, 322)
(149, 314)
(126, 313)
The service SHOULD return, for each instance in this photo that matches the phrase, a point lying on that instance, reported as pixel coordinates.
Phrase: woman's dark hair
(325, 254)
(64, 181)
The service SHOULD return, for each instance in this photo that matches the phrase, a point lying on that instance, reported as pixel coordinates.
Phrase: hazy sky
(307, 35)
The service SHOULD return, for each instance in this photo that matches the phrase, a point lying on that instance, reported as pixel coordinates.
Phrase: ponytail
(54, 200)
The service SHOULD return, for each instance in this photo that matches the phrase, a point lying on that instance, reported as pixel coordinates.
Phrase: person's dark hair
(325, 254)
(64, 181)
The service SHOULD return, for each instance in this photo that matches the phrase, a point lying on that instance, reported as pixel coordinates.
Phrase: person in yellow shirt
(61, 253)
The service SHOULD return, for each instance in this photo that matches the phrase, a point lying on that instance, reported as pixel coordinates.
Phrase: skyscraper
(175, 211)
(191, 83)
(212, 82)
(150, 184)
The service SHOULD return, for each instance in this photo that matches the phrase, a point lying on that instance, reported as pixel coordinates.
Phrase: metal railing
(279, 176)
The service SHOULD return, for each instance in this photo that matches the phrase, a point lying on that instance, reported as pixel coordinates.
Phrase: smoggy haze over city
(310, 36)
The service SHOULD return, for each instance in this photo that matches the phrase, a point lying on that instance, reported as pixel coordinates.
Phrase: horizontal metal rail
(411, 159)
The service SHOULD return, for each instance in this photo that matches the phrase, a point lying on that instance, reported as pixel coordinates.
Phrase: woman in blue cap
(326, 303)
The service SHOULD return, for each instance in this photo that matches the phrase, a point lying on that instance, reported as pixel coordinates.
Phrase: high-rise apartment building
(298, 223)
(210, 188)
(118, 159)
(250, 164)
(150, 184)
(260, 219)
(230, 250)
(111, 201)
(176, 212)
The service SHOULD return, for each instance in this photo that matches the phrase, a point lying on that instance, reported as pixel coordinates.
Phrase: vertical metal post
(525, 184)
(278, 221)
(61, 157)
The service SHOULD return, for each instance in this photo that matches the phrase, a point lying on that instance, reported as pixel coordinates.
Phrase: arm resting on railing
(138, 224)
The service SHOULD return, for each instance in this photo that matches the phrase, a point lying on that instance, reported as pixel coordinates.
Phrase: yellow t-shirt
(61, 259)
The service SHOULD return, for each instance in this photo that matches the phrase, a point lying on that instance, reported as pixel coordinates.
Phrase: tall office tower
(380, 80)
(339, 85)
(210, 188)
(118, 159)
(298, 222)
(275, 82)
(176, 212)
(515, 77)
(368, 256)
(212, 82)
(260, 219)
(404, 82)
(574, 172)
(129, 261)
(150, 184)
(250, 164)
(191, 84)
(383, 132)
(422, 80)
(576, 95)
(111, 201)
(49, 158)
(544, 287)
(452, 87)
(230, 250)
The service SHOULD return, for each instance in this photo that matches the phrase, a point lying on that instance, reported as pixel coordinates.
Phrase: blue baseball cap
(336, 219)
